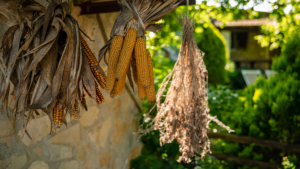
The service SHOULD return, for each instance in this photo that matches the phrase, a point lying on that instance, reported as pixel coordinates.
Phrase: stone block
(38, 129)
(90, 117)
(69, 136)
(120, 133)
(5, 163)
(99, 135)
(58, 152)
(104, 159)
(6, 128)
(69, 165)
(38, 165)
(18, 162)
(119, 163)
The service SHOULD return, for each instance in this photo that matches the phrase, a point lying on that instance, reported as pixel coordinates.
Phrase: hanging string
(187, 8)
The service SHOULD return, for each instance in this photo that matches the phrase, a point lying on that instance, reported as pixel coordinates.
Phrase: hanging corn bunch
(184, 114)
(127, 46)
(46, 62)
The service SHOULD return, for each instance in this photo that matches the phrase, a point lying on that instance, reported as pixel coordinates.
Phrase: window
(239, 40)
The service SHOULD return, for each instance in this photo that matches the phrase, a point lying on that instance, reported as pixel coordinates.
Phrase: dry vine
(184, 114)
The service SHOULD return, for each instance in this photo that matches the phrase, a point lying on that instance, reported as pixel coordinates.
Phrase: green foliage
(209, 39)
(213, 44)
(277, 32)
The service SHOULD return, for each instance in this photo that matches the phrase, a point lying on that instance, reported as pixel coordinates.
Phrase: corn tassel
(140, 55)
(114, 53)
(150, 90)
(99, 96)
(118, 87)
(126, 53)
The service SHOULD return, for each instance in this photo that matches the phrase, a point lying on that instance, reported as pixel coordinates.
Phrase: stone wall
(104, 137)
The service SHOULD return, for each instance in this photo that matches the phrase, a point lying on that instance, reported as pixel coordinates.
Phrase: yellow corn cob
(114, 53)
(76, 109)
(56, 113)
(118, 87)
(126, 53)
(141, 90)
(134, 71)
(99, 96)
(150, 90)
(140, 55)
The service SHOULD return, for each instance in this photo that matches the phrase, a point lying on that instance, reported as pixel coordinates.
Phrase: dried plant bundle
(127, 47)
(184, 114)
(46, 63)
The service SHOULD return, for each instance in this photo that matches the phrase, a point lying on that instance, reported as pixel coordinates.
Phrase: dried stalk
(184, 114)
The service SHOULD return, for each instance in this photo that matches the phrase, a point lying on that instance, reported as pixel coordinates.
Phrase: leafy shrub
(213, 44)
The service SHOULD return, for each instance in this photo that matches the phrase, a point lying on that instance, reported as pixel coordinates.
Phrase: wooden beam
(108, 6)
(247, 162)
(257, 142)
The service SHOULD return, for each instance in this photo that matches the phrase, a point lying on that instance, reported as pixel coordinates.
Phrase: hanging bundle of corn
(45, 63)
(127, 46)
(184, 114)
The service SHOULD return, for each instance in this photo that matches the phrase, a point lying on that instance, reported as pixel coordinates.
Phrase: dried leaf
(49, 64)
(88, 77)
(50, 39)
(48, 17)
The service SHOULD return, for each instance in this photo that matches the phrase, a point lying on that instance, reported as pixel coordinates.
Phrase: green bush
(213, 44)
(268, 109)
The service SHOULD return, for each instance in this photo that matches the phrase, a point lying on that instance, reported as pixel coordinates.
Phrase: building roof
(244, 23)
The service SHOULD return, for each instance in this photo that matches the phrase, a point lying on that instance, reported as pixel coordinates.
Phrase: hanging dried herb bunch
(127, 46)
(46, 64)
(184, 114)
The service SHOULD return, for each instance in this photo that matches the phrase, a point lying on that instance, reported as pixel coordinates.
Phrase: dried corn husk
(184, 114)
(43, 61)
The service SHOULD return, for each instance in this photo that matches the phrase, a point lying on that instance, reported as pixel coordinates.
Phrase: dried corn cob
(134, 71)
(56, 113)
(126, 53)
(100, 77)
(150, 90)
(140, 55)
(88, 52)
(61, 116)
(76, 109)
(99, 96)
(98, 74)
(114, 52)
(118, 87)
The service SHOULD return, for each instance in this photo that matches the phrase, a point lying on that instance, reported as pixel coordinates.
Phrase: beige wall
(104, 137)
